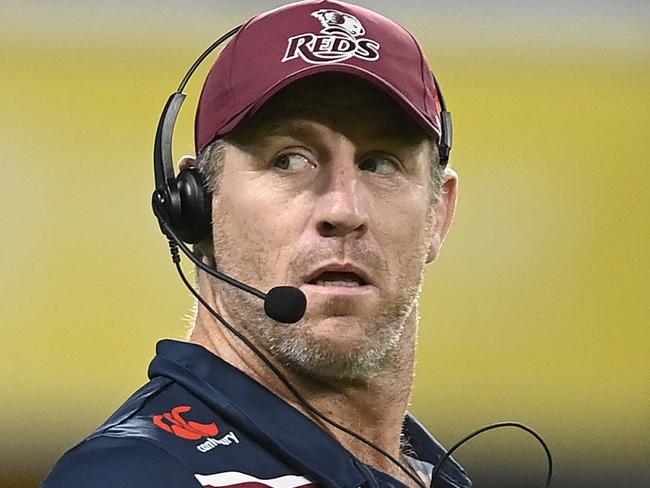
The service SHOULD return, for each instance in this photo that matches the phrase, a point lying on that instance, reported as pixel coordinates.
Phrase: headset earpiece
(192, 221)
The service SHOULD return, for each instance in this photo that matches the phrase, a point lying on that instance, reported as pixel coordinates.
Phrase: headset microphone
(286, 304)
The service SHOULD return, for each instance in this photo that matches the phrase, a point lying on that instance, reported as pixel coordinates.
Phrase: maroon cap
(292, 42)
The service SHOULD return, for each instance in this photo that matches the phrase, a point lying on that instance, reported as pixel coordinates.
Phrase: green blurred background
(536, 311)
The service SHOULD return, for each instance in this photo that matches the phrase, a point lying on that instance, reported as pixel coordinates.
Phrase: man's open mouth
(339, 275)
(337, 278)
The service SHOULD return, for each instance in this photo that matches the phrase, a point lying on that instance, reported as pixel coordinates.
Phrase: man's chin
(337, 348)
(343, 333)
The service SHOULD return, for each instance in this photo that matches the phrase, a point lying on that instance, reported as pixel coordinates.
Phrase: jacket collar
(277, 425)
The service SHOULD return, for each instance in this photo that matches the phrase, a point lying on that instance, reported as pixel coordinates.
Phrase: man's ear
(443, 212)
(186, 162)
(206, 251)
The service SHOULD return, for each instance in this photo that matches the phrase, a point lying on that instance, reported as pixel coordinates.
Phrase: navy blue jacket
(201, 422)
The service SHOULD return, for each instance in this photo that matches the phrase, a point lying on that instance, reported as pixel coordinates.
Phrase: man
(317, 132)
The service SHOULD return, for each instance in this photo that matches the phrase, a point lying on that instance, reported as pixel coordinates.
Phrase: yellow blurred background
(536, 311)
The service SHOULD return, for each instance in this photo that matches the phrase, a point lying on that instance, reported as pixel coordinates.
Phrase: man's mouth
(337, 278)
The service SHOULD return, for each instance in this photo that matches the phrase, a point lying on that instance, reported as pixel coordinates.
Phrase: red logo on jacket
(187, 429)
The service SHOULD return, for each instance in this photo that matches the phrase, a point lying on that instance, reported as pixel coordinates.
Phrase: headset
(182, 205)
(185, 199)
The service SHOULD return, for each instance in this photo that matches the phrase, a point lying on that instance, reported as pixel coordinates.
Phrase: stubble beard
(296, 345)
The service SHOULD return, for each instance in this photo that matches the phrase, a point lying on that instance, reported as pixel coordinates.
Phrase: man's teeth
(337, 283)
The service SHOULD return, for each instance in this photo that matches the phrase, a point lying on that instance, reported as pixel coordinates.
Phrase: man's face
(327, 189)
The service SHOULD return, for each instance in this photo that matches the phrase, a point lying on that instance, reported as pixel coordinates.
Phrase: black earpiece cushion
(196, 207)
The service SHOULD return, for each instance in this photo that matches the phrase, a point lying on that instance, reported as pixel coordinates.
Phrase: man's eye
(291, 162)
(379, 164)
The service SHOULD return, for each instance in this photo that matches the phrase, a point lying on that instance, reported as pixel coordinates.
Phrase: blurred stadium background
(537, 310)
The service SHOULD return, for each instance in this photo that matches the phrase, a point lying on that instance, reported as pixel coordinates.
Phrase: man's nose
(341, 209)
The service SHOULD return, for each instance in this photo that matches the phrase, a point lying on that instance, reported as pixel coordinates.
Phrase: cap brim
(248, 111)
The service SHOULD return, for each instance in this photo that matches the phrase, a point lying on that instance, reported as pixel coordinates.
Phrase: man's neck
(373, 408)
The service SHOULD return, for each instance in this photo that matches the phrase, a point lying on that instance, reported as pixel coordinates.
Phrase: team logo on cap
(340, 39)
